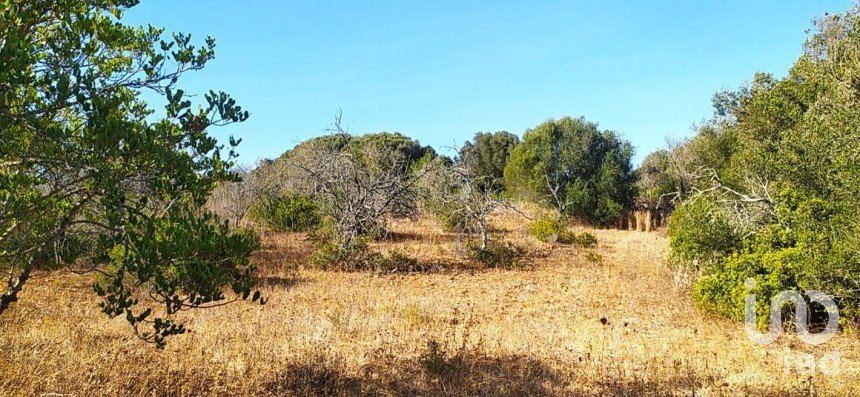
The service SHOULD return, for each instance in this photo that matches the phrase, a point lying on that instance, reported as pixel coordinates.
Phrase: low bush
(359, 257)
(499, 254)
(721, 289)
(585, 239)
(551, 230)
(397, 261)
(803, 257)
(288, 213)
(327, 255)
(593, 257)
(554, 230)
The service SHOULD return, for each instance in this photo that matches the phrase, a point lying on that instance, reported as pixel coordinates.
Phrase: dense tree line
(768, 188)
(565, 164)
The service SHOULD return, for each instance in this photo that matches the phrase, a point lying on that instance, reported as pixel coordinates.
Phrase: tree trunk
(485, 236)
(11, 294)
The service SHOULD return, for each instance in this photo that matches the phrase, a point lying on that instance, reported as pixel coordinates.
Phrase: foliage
(396, 148)
(288, 213)
(93, 179)
(551, 230)
(554, 230)
(775, 178)
(499, 254)
(571, 165)
(488, 155)
(803, 256)
(585, 239)
(398, 261)
(593, 257)
(698, 231)
(328, 255)
(359, 257)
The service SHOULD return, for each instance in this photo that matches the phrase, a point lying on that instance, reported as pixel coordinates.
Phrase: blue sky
(440, 71)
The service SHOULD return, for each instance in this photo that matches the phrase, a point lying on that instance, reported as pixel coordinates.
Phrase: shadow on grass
(282, 252)
(285, 282)
(400, 237)
(461, 375)
(513, 375)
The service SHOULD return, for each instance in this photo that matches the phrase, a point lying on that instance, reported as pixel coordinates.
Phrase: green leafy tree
(488, 155)
(573, 166)
(92, 181)
(780, 163)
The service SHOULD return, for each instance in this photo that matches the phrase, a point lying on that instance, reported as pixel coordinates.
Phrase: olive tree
(92, 179)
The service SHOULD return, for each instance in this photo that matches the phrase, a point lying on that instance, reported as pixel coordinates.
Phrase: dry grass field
(566, 323)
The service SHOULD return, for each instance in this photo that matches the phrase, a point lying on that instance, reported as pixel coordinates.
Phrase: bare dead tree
(748, 210)
(358, 191)
(554, 185)
(466, 197)
(233, 200)
(747, 206)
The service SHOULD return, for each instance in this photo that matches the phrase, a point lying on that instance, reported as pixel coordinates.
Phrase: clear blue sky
(440, 71)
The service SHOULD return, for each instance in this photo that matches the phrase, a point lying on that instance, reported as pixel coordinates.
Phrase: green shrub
(720, 289)
(788, 168)
(585, 239)
(396, 261)
(289, 213)
(488, 155)
(802, 257)
(699, 232)
(328, 255)
(359, 257)
(551, 230)
(499, 254)
(590, 169)
(593, 257)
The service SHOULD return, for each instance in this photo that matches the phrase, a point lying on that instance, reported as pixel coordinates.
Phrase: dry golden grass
(532, 331)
